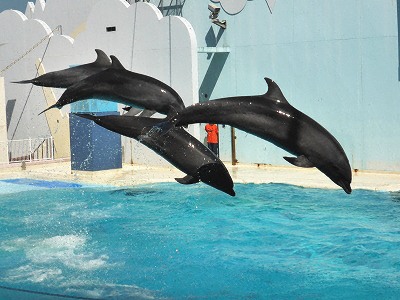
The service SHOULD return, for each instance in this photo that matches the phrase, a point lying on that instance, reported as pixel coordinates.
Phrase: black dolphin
(272, 118)
(66, 78)
(120, 85)
(177, 146)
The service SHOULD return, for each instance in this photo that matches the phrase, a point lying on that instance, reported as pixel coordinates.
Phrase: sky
(14, 4)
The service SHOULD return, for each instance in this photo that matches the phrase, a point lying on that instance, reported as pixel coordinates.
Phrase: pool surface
(167, 241)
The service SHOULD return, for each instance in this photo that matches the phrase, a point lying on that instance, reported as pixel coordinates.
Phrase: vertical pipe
(4, 152)
(30, 149)
(52, 148)
(233, 146)
(131, 152)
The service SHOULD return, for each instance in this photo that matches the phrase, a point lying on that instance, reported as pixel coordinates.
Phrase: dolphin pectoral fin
(274, 92)
(188, 180)
(299, 161)
(147, 113)
(132, 111)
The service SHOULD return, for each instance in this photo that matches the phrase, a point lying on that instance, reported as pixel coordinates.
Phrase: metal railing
(171, 7)
(31, 150)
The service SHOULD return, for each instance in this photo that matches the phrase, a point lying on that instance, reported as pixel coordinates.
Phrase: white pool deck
(141, 174)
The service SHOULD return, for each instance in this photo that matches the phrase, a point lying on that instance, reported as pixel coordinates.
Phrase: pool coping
(137, 174)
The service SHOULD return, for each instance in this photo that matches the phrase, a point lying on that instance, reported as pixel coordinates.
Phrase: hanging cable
(30, 90)
(58, 28)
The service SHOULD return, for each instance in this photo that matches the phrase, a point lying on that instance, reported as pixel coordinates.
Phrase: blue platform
(43, 183)
(93, 147)
(93, 106)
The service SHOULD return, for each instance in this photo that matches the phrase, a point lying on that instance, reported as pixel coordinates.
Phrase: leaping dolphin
(66, 78)
(117, 84)
(177, 146)
(271, 117)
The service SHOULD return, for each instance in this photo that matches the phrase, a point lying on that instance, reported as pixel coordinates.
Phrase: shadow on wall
(216, 65)
(212, 39)
(9, 110)
(211, 77)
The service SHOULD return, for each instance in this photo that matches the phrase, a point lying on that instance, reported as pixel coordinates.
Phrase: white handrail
(31, 149)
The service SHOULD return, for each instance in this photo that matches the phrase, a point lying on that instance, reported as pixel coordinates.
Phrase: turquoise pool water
(167, 241)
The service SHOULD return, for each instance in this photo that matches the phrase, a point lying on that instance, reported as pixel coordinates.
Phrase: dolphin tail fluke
(218, 177)
(50, 107)
(187, 180)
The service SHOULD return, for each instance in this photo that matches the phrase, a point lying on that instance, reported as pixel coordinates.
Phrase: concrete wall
(23, 34)
(336, 61)
(145, 42)
(71, 14)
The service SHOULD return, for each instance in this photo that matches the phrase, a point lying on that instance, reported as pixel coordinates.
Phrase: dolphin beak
(345, 186)
(217, 176)
(23, 81)
(230, 192)
(54, 105)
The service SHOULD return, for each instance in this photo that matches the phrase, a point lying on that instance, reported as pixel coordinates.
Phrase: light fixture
(214, 11)
(214, 16)
(219, 23)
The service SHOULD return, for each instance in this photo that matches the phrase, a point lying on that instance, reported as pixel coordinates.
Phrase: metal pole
(233, 146)
(52, 147)
(30, 149)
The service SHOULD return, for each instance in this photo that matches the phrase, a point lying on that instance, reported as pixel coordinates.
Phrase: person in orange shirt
(212, 137)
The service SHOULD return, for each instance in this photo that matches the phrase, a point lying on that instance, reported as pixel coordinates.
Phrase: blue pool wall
(337, 61)
(94, 148)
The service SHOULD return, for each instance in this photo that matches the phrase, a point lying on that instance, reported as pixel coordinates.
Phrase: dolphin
(117, 84)
(66, 78)
(271, 117)
(177, 146)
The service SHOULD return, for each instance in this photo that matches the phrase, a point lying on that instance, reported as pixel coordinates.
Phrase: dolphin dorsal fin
(274, 92)
(102, 58)
(115, 63)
